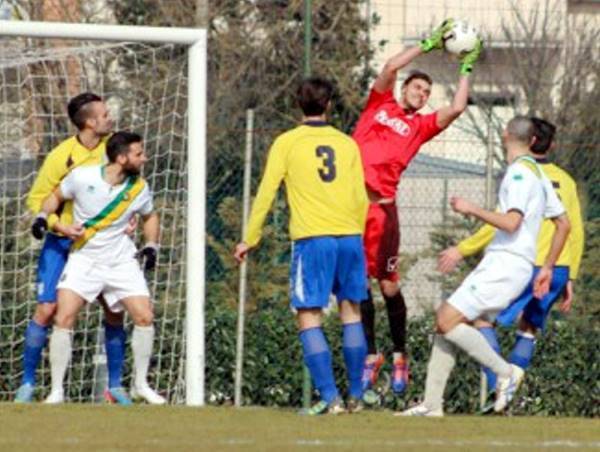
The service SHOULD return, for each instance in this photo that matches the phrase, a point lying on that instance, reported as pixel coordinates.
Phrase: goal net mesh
(145, 87)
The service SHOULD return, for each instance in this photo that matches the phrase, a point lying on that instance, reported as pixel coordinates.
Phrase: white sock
(141, 344)
(60, 354)
(441, 363)
(472, 341)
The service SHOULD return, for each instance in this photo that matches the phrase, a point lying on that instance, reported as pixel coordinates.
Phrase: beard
(132, 171)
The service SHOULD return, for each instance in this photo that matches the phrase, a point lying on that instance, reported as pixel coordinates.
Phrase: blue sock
(317, 358)
(490, 336)
(114, 341)
(355, 351)
(35, 340)
(523, 350)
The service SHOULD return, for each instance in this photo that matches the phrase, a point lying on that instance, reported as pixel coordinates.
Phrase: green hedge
(564, 378)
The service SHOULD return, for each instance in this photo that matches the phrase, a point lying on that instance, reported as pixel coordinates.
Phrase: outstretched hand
(436, 40)
(461, 205)
(467, 61)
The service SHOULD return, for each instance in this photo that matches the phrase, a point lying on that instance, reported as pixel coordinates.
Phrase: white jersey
(91, 194)
(527, 190)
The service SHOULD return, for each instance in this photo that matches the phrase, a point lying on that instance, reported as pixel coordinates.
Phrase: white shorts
(499, 279)
(89, 278)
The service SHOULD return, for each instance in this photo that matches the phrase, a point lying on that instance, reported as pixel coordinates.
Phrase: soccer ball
(461, 39)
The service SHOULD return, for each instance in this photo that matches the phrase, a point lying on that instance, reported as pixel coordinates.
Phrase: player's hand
(148, 254)
(39, 226)
(461, 205)
(240, 252)
(73, 231)
(436, 40)
(541, 284)
(565, 305)
(131, 226)
(449, 259)
(467, 61)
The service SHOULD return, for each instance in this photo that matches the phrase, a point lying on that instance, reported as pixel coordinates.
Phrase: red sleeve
(377, 99)
(428, 127)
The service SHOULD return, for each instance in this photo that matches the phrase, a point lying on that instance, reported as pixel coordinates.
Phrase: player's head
(126, 149)
(544, 135)
(416, 90)
(88, 111)
(519, 132)
(314, 96)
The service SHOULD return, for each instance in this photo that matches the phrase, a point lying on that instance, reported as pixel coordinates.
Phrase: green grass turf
(144, 428)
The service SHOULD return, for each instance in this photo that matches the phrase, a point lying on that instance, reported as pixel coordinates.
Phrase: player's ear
(534, 140)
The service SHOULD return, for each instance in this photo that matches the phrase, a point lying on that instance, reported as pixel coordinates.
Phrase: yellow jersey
(566, 189)
(58, 163)
(323, 176)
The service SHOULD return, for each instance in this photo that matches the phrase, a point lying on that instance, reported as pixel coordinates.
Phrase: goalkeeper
(324, 183)
(89, 114)
(105, 198)
(389, 133)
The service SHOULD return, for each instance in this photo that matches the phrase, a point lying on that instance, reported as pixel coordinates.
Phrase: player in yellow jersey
(89, 114)
(532, 311)
(323, 176)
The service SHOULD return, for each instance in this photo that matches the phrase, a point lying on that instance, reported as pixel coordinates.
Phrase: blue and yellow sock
(355, 350)
(35, 341)
(490, 336)
(317, 358)
(523, 350)
(114, 340)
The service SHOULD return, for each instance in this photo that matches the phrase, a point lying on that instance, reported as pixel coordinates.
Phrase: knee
(526, 327)
(114, 318)
(64, 320)
(44, 313)
(389, 288)
(442, 325)
(144, 318)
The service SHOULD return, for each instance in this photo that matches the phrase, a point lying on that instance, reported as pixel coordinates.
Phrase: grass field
(144, 428)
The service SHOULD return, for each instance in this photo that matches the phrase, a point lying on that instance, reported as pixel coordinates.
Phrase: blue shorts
(52, 261)
(535, 311)
(325, 265)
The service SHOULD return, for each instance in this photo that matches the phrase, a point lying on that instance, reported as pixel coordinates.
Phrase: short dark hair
(417, 75)
(118, 144)
(78, 108)
(313, 95)
(544, 132)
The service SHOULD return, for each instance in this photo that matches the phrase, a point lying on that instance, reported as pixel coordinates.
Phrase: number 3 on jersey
(328, 172)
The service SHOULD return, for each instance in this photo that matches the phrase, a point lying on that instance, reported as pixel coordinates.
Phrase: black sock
(396, 310)
(367, 313)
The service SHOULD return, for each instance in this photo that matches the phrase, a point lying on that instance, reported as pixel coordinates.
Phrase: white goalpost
(193, 134)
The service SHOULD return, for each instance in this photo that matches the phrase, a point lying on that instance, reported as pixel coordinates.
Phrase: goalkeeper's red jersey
(388, 139)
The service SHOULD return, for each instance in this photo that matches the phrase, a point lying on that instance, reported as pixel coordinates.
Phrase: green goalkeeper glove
(436, 40)
(467, 62)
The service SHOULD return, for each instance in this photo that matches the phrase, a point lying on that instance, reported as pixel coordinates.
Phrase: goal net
(145, 86)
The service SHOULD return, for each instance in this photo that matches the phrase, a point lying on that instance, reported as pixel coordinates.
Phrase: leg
(489, 333)
(453, 325)
(51, 263)
(354, 346)
(114, 342)
(524, 347)
(396, 311)
(317, 355)
(141, 312)
(367, 311)
(68, 306)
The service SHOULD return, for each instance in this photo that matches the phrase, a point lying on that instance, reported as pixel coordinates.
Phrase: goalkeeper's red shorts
(382, 241)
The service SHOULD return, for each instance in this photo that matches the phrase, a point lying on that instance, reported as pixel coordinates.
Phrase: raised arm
(508, 222)
(387, 77)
